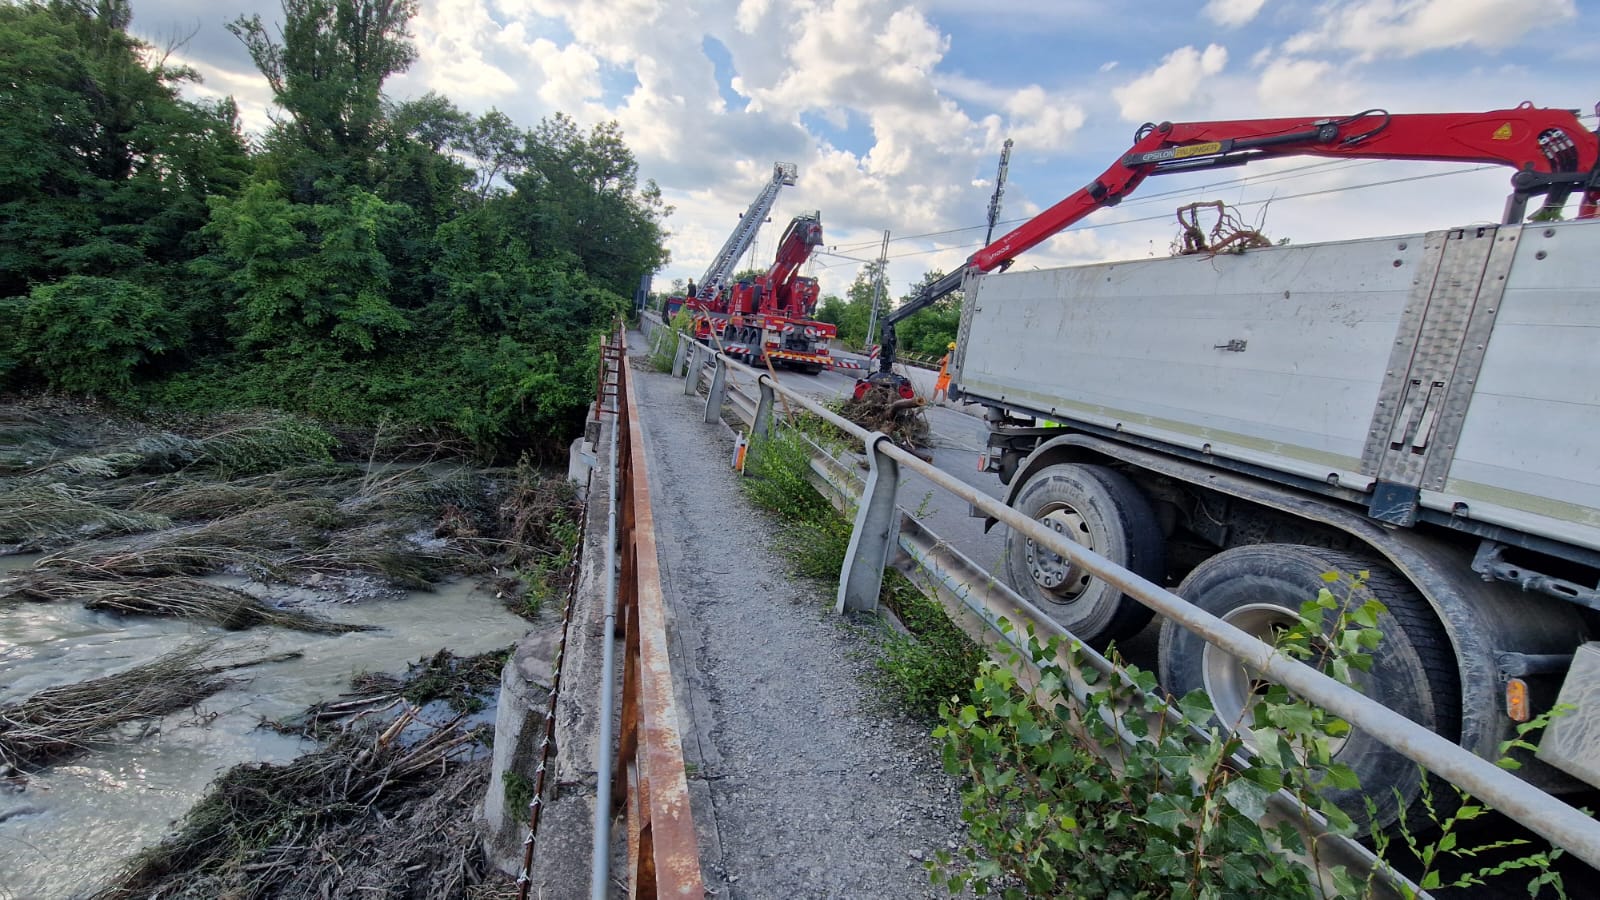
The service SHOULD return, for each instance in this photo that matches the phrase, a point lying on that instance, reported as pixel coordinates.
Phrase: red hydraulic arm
(803, 235)
(1553, 153)
(1536, 142)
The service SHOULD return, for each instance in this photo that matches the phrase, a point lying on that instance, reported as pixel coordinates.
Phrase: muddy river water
(66, 830)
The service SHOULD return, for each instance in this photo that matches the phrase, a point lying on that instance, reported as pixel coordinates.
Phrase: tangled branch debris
(58, 722)
(462, 683)
(882, 410)
(367, 815)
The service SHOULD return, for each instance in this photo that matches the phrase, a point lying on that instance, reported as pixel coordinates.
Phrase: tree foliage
(853, 313)
(328, 74)
(104, 170)
(930, 331)
(371, 258)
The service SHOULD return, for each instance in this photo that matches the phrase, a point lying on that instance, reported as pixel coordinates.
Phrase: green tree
(328, 74)
(310, 271)
(499, 149)
(852, 313)
(580, 197)
(91, 334)
(930, 331)
(104, 170)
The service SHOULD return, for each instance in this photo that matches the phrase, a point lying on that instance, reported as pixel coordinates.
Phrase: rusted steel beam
(664, 853)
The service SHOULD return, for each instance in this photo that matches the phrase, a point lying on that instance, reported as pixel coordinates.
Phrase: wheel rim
(1062, 580)
(1233, 686)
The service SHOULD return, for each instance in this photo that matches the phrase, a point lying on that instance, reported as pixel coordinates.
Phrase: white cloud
(1373, 28)
(249, 90)
(1171, 87)
(1301, 87)
(1040, 120)
(570, 75)
(750, 14)
(1232, 13)
(452, 37)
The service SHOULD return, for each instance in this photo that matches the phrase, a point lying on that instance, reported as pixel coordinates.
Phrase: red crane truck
(770, 317)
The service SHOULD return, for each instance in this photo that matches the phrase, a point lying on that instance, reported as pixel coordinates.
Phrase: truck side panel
(1275, 357)
(1528, 456)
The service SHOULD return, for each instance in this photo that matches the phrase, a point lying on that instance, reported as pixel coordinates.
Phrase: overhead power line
(1317, 193)
(1263, 178)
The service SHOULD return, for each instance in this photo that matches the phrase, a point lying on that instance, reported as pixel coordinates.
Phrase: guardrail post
(680, 354)
(691, 381)
(763, 420)
(873, 537)
(719, 390)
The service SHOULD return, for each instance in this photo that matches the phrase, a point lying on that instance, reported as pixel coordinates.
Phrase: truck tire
(1104, 511)
(1259, 588)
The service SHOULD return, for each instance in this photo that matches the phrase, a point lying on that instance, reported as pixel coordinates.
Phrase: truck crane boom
(1553, 153)
(803, 235)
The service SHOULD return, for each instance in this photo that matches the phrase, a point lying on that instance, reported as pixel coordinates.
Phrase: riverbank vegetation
(365, 259)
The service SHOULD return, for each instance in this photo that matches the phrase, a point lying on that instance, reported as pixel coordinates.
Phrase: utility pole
(877, 287)
(999, 191)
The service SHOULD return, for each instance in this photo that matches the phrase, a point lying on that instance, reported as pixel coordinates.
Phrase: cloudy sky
(895, 111)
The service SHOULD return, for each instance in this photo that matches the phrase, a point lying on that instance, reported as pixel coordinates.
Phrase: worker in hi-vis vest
(941, 386)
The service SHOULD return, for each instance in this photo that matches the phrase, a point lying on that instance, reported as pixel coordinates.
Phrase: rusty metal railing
(648, 781)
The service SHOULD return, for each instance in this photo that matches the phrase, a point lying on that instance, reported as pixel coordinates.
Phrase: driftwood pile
(384, 808)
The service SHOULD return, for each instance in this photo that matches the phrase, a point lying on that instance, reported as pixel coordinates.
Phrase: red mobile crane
(1553, 153)
(770, 316)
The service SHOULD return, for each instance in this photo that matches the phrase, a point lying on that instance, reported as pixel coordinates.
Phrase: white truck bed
(1463, 366)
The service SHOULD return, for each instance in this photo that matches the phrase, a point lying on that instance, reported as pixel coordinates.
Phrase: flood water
(67, 830)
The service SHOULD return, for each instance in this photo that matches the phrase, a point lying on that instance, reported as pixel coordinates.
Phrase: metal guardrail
(881, 533)
(647, 781)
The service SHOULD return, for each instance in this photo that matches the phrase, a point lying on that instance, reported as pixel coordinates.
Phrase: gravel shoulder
(806, 782)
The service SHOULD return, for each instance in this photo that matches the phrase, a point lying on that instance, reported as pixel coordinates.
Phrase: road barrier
(885, 535)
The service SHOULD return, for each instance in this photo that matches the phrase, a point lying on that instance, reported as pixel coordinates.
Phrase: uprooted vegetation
(132, 518)
(383, 808)
(59, 722)
(880, 409)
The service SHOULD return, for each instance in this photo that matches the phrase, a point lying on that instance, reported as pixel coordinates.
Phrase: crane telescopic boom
(722, 265)
(1553, 153)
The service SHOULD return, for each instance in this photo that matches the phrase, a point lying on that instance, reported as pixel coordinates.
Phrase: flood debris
(43, 515)
(384, 808)
(248, 522)
(539, 524)
(181, 597)
(463, 684)
(59, 722)
(880, 409)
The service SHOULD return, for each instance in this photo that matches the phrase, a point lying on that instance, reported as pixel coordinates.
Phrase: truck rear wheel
(1259, 589)
(1104, 511)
